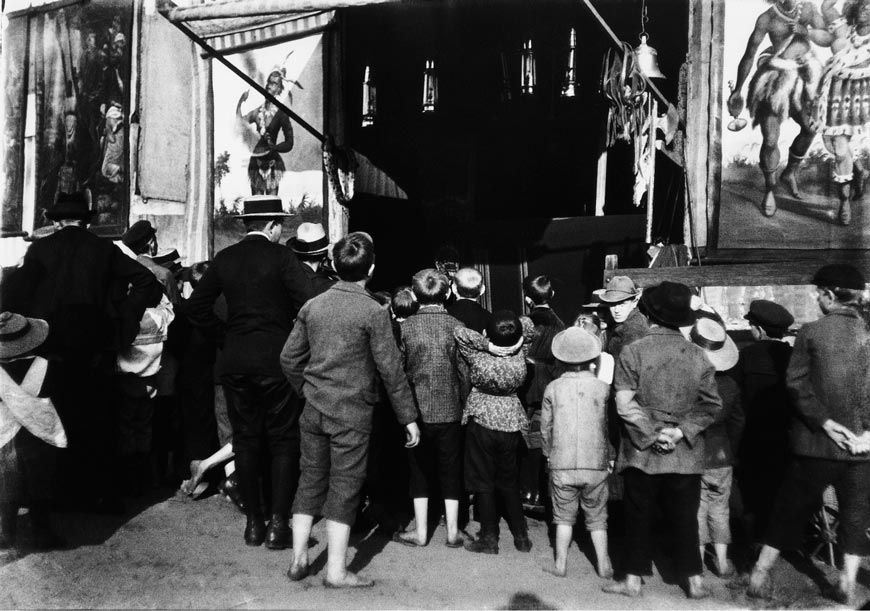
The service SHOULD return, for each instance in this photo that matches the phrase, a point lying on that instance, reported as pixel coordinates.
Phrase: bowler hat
(70, 206)
(769, 315)
(20, 335)
(709, 334)
(669, 304)
(138, 235)
(619, 288)
(575, 345)
(310, 239)
(840, 275)
(170, 259)
(262, 206)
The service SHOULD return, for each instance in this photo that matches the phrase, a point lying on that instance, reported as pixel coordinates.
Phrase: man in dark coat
(311, 246)
(93, 297)
(264, 285)
(830, 431)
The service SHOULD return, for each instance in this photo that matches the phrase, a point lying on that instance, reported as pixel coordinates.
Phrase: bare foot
(555, 571)
(759, 583)
(768, 204)
(408, 538)
(790, 180)
(349, 580)
(623, 588)
(605, 571)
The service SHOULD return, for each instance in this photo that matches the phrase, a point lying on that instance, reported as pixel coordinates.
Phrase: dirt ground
(178, 553)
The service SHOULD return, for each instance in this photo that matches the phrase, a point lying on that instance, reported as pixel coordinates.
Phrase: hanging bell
(648, 59)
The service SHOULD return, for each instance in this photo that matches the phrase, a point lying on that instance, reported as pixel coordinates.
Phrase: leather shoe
(278, 533)
(229, 487)
(523, 543)
(255, 531)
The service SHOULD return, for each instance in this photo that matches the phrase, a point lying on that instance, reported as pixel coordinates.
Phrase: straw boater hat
(575, 345)
(669, 303)
(709, 334)
(20, 335)
(262, 206)
(619, 288)
(310, 240)
(70, 206)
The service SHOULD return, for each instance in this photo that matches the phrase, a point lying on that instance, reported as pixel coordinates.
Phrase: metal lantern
(528, 77)
(369, 100)
(569, 89)
(430, 87)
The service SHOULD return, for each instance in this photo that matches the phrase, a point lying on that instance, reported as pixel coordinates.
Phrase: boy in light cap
(575, 442)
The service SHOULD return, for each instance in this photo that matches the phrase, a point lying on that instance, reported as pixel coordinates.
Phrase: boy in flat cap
(621, 296)
(760, 372)
(574, 440)
(830, 431)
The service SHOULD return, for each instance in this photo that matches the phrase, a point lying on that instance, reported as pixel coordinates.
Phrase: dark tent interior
(493, 166)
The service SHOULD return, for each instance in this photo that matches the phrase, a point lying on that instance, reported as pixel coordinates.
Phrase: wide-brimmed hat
(170, 259)
(310, 240)
(70, 206)
(138, 235)
(19, 335)
(709, 334)
(619, 288)
(769, 315)
(840, 275)
(263, 206)
(669, 303)
(575, 345)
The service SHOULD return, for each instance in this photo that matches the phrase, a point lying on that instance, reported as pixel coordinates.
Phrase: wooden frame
(704, 142)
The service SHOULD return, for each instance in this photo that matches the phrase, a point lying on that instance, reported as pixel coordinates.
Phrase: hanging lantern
(647, 57)
(369, 100)
(528, 69)
(569, 89)
(430, 87)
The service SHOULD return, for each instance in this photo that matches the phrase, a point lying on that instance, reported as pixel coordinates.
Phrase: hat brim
(609, 296)
(22, 345)
(725, 357)
(263, 215)
(687, 320)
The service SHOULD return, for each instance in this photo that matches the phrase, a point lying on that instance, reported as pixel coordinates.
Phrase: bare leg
(337, 575)
(848, 579)
(843, 177)
(421, 517)
(301, 532)
(759, 580)
(198, 468)
(564, 532)
(722, 563)
(451, 515)
(602, 556)
(796, 154)
(769, 161)
(697, 590)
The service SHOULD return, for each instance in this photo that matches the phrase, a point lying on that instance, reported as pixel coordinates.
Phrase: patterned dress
(843, 106)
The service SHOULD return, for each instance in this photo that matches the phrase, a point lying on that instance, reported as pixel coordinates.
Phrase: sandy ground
(178, 553)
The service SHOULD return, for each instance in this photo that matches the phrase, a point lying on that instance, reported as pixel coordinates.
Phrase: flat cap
(840, 275)
(768, 314)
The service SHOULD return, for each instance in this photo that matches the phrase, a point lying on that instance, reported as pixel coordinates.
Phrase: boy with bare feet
(574, 435)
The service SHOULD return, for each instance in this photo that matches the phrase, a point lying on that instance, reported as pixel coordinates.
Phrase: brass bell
(648, 59)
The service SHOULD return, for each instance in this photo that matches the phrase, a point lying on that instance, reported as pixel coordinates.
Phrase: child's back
(574, 421)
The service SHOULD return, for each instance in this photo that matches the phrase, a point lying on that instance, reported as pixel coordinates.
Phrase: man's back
(264, 286)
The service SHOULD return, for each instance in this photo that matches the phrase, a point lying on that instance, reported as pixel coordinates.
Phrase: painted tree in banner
(221, 169)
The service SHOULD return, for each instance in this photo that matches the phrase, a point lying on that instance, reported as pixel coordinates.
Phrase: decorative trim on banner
(283, 28)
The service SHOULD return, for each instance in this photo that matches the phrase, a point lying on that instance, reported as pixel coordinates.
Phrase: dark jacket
(340, 349)
(542, 367)
(264, 285)
(432, 363)
(470, 313)
(828, 379)
(92, 295)
(320, 282)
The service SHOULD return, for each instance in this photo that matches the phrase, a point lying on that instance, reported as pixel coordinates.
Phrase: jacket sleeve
(707, 407)
(388, 361)
(797, 378)
(469, 342)
(144, 292)
(199, 307)
(295, 354)
(547, 420)
(296, 281)
(640, 428)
